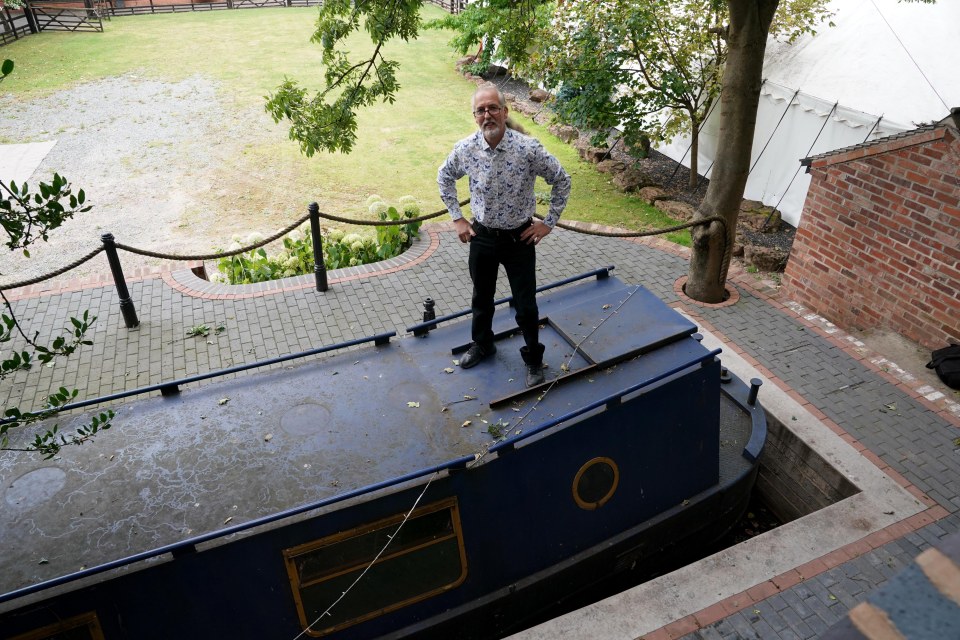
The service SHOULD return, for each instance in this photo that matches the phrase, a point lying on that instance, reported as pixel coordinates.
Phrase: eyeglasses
(493, 110)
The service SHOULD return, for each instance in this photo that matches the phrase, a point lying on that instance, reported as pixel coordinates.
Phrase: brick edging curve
(188, 283)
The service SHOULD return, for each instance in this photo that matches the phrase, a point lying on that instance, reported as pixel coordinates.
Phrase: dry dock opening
(823, 493)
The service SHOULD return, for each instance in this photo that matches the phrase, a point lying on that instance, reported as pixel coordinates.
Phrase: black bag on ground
(946, 362)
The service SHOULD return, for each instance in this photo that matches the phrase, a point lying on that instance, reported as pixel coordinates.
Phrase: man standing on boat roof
(503, 165)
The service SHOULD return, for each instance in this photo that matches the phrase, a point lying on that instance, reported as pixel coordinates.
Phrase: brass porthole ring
(595, 483)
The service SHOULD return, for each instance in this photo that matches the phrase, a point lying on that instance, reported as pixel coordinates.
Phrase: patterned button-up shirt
(502, 179)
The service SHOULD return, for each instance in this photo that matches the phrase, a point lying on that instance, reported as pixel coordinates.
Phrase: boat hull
(643, 457)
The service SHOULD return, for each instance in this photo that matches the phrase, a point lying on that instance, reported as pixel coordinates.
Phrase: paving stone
(770, 615)
(707, 633)
(817, 625)
(913, 440)
(743, 627)
(795, 622)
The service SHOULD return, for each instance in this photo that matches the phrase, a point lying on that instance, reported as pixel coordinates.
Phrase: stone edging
(189, 284)
(760, 592)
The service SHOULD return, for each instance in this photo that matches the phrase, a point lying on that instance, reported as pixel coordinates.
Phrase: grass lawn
(248, 53)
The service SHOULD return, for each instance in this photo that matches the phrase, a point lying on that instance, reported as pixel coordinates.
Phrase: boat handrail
(189, 546)
(610, 399)
(427, 325)
(173, 386)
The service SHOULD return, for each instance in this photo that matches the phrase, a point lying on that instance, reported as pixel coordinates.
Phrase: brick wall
(879, 241)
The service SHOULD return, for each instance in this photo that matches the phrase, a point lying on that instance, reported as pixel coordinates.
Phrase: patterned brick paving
(835, 378)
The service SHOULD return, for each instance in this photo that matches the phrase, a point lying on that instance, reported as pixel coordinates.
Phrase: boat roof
(239, 448)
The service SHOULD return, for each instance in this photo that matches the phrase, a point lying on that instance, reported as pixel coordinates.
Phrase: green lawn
(249, 53)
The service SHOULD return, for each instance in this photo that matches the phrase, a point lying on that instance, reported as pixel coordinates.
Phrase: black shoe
(474, 355)
(534, 375)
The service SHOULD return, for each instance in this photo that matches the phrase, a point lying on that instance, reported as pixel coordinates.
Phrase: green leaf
(7, 67)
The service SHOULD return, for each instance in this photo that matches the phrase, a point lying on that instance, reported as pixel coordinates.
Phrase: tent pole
(875, 125)
(784, 194)
(775, 129)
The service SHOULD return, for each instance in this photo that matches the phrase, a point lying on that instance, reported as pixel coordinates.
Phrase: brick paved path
(829, 373)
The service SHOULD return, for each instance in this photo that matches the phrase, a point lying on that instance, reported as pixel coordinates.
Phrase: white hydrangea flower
(377, 208)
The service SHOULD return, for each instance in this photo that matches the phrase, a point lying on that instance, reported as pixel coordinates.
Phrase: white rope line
(909, 55)
(478, 456)
(374, 561)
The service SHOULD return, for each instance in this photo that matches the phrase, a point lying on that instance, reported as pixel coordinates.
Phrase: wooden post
(31, 18)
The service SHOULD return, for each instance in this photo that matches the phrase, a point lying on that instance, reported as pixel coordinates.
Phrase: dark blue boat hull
(629, 487)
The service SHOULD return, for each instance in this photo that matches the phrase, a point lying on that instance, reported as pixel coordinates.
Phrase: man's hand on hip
(535, 232)
(464, 229)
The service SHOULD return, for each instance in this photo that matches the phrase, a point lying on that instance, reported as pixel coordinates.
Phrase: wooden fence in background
(88, 15)
(450, 6)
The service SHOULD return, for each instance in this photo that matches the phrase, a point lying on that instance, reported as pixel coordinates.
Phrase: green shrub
(340, 249)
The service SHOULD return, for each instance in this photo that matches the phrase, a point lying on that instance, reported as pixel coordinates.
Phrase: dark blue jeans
(488, 250)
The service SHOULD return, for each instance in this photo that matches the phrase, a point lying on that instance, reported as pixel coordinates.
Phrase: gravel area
(159, 162)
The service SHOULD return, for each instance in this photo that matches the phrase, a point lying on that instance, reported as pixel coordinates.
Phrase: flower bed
(340, 249)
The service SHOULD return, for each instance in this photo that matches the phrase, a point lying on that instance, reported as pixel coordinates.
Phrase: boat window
(83, 627)
(426, 557)
(595, 483)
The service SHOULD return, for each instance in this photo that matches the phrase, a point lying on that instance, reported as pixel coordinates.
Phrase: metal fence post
(319, 269)
(126, 304)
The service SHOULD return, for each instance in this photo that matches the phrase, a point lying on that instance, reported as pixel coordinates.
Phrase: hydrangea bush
(340, 249)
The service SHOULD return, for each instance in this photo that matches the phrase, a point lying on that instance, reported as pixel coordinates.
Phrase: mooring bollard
(429, 310)
(319, 269)
(126, 304)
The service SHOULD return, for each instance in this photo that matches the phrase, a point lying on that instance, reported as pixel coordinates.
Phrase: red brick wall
(879, 241)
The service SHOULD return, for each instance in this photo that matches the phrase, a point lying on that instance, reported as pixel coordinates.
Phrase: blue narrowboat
(373, 489)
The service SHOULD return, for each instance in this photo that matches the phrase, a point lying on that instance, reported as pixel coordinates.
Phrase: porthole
(595, 483)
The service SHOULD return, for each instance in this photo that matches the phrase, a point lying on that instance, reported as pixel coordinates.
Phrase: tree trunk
(743, 74)
(694, 152)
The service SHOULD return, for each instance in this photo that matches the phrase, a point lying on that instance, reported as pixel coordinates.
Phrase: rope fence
(110, 247)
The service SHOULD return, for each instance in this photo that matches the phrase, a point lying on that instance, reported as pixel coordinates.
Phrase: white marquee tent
(885, 67)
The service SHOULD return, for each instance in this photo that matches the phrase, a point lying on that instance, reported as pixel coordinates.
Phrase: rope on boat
(374, 561)
(478, 456)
